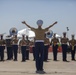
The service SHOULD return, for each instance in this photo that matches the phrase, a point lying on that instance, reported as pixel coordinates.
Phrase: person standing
(22, 44)
(64, 45)
(46, 47)
(39, 43)
(15, 46)
(54, 43)
(2, 47)
(9, 47)
(72, 43)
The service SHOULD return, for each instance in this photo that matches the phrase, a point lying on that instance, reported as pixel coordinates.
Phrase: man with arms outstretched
(39, 44)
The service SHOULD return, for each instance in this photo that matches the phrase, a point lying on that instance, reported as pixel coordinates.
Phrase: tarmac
(28, 68)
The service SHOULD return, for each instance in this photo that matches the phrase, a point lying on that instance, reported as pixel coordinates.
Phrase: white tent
(26, 32)
(58, 36)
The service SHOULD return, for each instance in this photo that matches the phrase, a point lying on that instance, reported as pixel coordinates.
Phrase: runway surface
(28, 68)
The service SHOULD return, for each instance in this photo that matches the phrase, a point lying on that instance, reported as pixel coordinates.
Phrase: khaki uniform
(23, 49)
(39, 47)
(27, 49)
(72, 43)
(46, 47)
(9, 48)
(39, 33)
(64, 45)
(15, 47)
(22, 42)
(2, 47)
(54, 41)
(72, 47)
(39, 44)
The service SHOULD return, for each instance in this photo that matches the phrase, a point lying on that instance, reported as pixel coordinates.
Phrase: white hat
(39, 22)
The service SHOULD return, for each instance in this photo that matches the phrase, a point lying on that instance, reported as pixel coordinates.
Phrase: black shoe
(33, 59)
(46, 61)
(55, 60)
(37, 71)
(65, 61)
(7, 59)
(2, 60)
(73, 60)
(15, 60)
(27, 58)
(23, 61)
(41, 72)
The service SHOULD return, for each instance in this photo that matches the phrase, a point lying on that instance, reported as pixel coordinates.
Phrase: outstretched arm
(27, 24)
(51, 25)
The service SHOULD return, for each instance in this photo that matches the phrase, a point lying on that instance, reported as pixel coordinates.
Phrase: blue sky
(13, 12)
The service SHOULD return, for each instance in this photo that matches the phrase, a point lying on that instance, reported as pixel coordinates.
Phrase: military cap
(64, 33)
(72, 35)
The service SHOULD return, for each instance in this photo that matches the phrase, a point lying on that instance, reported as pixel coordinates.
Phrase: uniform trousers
(64, 51)
(9, 53)
(2, 53)
(39, 55)
(27, 52)
(72, 53)
(55, 47)
(33, 49)
(23, 51)
(46, 52)
(15, 50)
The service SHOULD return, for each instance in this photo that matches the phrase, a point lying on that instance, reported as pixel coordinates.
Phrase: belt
(23, 45)
(64, 43)
(15, 44)
(46, 44)
(39, 41)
